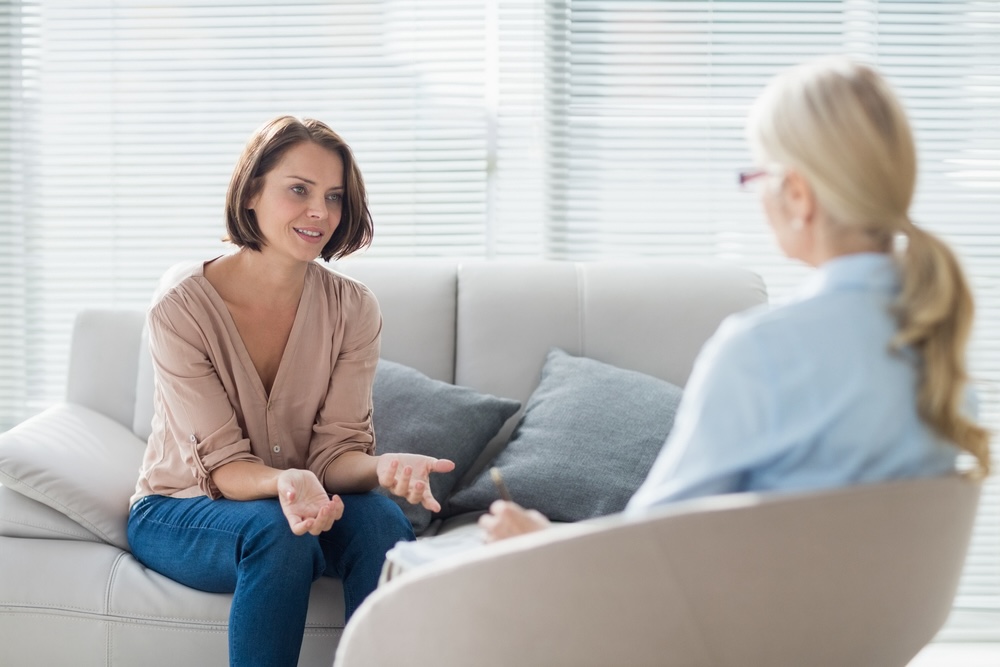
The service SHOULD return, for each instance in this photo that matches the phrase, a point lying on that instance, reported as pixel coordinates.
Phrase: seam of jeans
(216, 529)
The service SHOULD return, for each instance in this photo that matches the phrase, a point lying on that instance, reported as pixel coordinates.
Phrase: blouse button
(276, 449)
(192, 438)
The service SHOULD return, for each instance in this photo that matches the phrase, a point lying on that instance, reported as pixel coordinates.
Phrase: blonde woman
(861, 376)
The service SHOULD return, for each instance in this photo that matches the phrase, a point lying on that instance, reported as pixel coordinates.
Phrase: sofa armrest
(78, 462)
(733, 580)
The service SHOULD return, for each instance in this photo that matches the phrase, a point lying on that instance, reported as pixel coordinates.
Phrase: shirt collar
(860, 271)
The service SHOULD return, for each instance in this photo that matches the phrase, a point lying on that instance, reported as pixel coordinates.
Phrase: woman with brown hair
(257, 477)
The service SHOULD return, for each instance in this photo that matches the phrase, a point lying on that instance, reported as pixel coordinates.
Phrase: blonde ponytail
(934, 312)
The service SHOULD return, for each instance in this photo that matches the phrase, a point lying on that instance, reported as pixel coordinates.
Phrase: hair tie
(907, 226)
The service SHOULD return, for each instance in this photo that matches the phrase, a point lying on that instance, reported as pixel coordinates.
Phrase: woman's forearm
(246, 480)
(352, 472)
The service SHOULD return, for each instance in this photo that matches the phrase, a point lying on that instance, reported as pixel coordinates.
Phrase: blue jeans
(246, 548)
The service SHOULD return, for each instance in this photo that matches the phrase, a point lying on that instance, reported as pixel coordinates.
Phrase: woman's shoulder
(751, 322)
(346, 291)
(347, 301)
(767, 327)
(180, 288)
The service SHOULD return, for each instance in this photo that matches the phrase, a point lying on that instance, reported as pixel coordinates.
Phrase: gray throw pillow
(588, 437)
(419, 415)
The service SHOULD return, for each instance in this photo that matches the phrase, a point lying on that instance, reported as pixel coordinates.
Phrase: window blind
(136, 113)
(13, 376)
(569, 129)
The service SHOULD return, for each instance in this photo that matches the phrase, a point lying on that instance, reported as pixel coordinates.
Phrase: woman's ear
(797, 197)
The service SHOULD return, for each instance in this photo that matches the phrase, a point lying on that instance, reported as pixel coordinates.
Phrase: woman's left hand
(408, 476)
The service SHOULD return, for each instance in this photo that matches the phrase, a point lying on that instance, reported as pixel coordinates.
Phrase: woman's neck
(833, 240)
(250, 276)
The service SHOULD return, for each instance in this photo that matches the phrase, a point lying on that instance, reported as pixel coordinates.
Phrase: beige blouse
(210, 407)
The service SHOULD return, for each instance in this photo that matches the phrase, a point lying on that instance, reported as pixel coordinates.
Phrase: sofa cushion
(20, 516)
(416, 414)
(78, 462)
(588, 437)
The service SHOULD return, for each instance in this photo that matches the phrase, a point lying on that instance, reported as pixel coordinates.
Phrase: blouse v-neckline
(240, 346)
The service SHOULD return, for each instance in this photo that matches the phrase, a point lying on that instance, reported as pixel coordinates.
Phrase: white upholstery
(78, 462)
(102, 374)
(649, 317)
(66, 602)
(68, 597)
(20, 516)
(417, 299)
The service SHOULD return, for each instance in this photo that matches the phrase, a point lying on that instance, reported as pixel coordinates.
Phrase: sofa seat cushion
(588, 437)
(90, 603)
(417, 414)
(77, 462)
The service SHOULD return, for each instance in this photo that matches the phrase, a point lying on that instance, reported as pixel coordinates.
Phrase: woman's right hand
(506, 519)
(305, 503)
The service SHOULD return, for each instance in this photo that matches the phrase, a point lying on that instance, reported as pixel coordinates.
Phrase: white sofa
(71, 594)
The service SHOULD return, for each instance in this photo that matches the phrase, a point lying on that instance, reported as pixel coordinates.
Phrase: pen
(498, 482)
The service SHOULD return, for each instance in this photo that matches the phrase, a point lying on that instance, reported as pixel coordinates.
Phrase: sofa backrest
(484, 324)
(105, 356)
(651, 317)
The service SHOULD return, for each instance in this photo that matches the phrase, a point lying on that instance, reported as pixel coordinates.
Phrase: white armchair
(861, 576)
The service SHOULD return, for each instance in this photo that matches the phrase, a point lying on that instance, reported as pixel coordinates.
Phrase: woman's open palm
(408, 476)
(306, 504)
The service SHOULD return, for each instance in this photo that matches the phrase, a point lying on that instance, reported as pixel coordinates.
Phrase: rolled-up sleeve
(199, 419)
(344, 421)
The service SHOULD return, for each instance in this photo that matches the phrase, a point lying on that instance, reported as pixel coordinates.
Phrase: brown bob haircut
(263, 151)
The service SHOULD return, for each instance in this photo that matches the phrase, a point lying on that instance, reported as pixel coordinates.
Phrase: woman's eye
(334, 197)
(299, 189)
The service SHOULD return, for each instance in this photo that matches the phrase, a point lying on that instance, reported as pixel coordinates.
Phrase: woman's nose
(317, 209)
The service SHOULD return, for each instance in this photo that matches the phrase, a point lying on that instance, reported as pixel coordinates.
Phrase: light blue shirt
(804, 396)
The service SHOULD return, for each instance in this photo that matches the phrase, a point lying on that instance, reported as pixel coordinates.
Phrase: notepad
(406, 556)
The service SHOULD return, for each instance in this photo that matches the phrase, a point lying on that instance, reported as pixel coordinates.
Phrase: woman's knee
(384, 522)
(398, 527)
(270, 536)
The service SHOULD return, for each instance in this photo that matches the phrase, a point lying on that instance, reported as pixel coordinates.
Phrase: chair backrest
(859, 576)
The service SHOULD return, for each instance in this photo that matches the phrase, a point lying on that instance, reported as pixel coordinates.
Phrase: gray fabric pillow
(419, 415)
(588, 437)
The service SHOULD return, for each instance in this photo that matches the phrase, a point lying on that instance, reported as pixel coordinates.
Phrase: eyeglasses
(748, 178)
